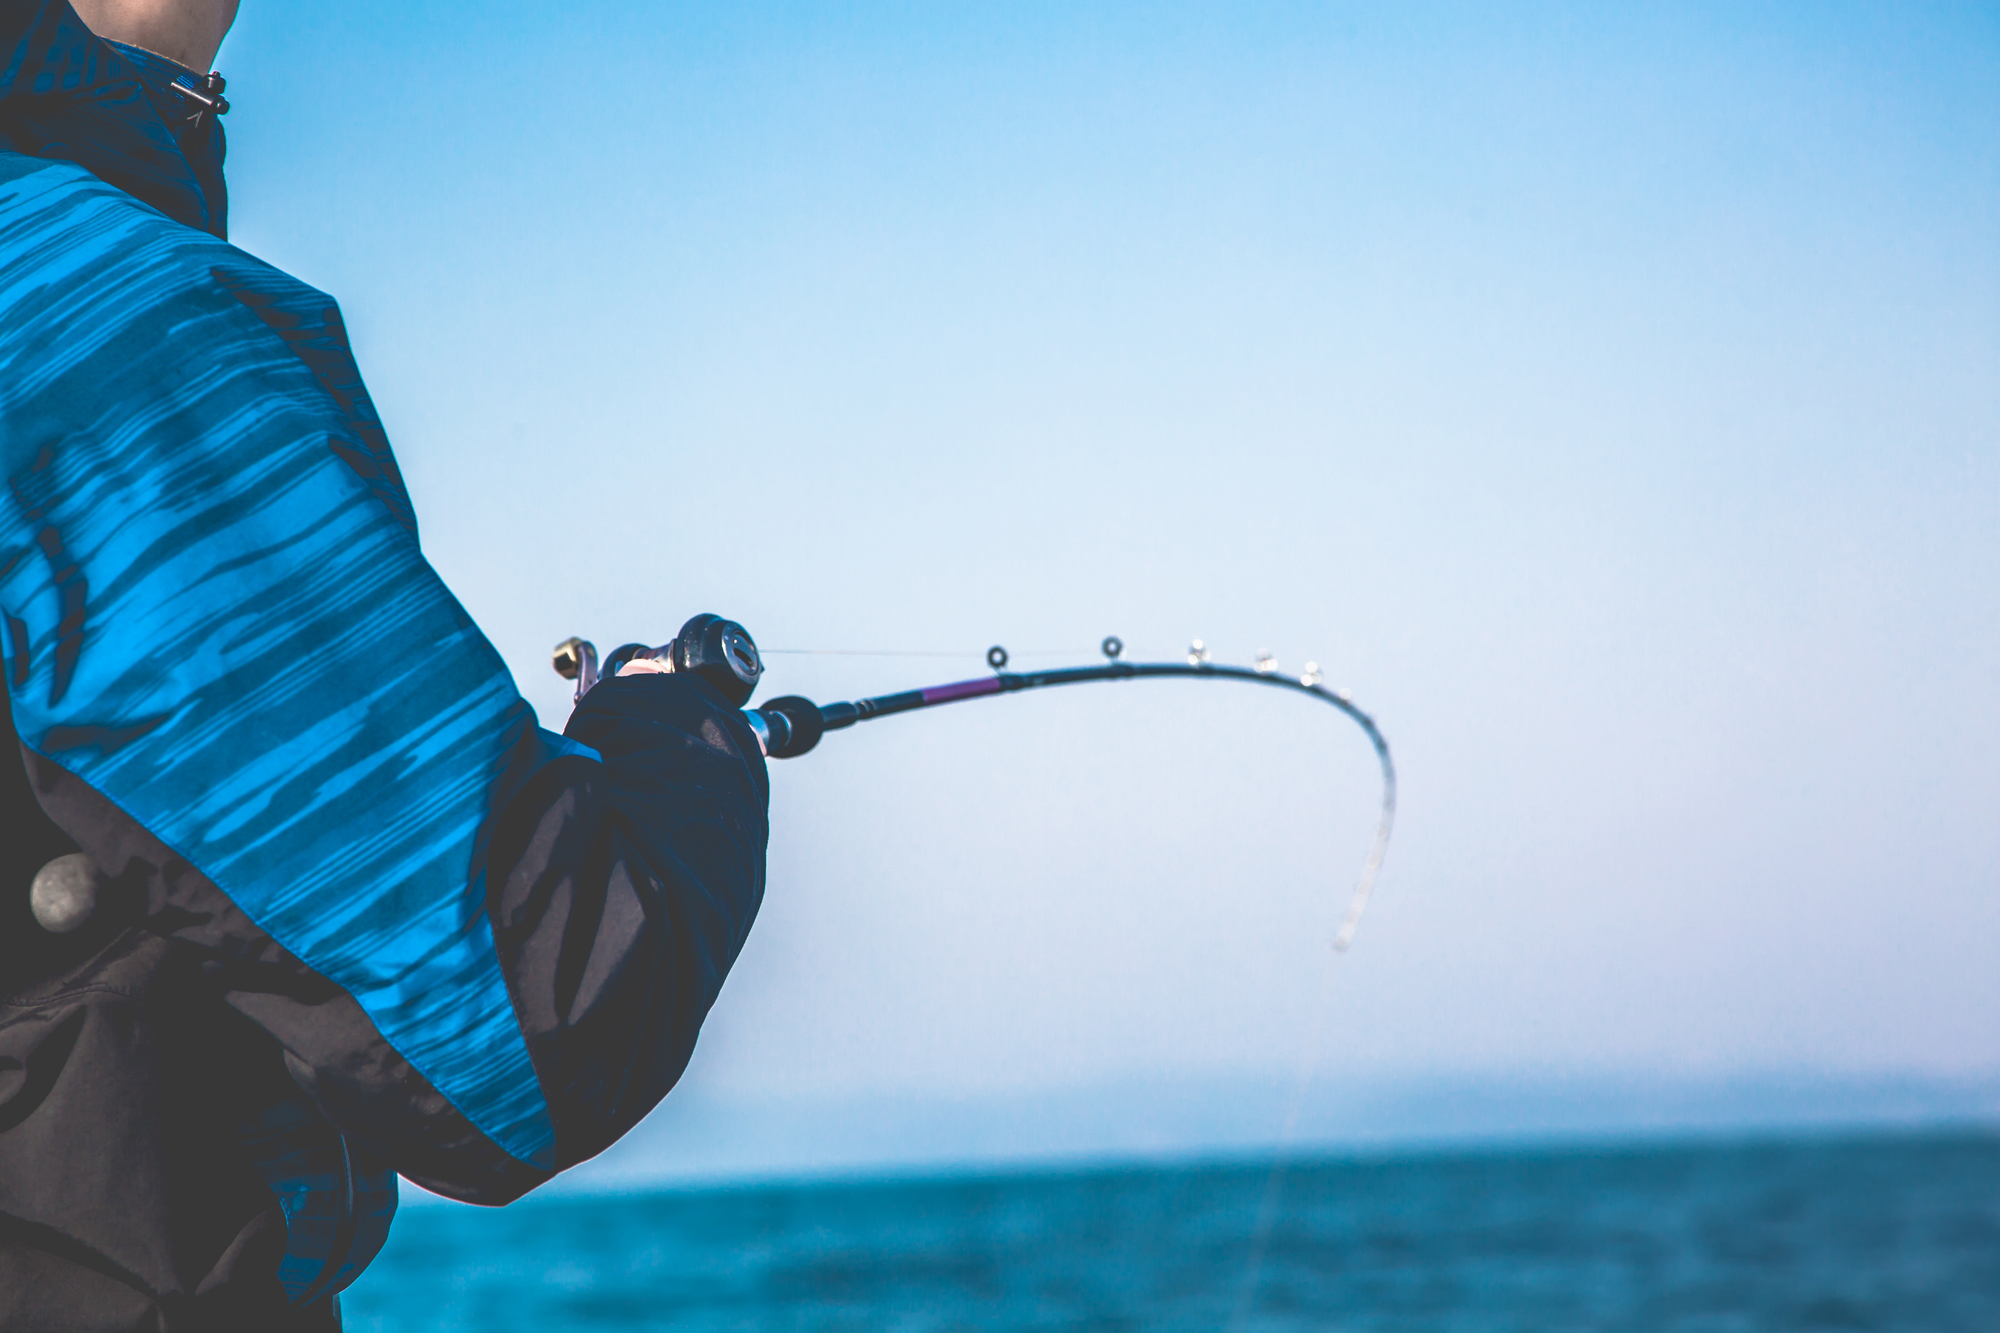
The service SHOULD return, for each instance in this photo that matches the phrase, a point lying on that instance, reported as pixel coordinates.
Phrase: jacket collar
(115, 110)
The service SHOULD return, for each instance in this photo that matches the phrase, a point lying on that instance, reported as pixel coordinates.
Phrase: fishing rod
(723, 653)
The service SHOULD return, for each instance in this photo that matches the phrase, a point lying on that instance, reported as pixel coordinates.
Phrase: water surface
(1865, 1233)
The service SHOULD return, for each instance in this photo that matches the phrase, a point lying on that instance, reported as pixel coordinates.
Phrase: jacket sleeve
(484, 948)
(620, 890)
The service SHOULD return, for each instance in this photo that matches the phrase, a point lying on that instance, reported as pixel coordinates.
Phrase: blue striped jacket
(482, 950)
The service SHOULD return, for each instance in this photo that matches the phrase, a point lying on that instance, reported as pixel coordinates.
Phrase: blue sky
(1609, 397)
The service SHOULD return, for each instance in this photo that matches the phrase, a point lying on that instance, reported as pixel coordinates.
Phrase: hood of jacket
(112, 109)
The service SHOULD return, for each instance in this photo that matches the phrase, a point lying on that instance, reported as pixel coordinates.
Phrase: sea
(1890, 1231)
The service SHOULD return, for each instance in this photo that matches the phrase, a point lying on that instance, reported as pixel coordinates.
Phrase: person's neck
(187, 32)
(150, 58)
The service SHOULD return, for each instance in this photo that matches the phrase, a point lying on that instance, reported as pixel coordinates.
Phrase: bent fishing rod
(723, 653)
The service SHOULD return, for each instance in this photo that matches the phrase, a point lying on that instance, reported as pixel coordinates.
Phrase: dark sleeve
(621, 893)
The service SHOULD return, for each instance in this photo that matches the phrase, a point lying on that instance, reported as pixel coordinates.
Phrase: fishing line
(1308, 1062)
(857, 652)
(907, 652)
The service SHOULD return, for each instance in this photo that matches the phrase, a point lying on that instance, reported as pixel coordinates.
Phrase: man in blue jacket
(295, 895)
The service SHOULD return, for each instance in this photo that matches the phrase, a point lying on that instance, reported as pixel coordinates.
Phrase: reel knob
(570, 655)
(576, 659)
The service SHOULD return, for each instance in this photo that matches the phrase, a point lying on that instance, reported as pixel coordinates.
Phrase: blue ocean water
(1881, 1232)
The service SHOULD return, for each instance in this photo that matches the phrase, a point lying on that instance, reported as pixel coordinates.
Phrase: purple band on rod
(964, 689)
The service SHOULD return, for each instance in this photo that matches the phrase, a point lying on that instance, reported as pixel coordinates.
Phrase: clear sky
(1608, 395)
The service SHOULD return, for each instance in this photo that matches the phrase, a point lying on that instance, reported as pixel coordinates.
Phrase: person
(295, 894)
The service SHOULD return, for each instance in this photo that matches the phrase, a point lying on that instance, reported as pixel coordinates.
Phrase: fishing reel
(722, 653)
(719, 651)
